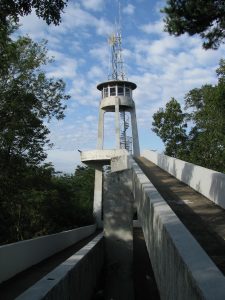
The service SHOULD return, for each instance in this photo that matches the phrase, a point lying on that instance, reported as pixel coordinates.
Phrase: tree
(169, 125)
(29, 99)
(48, 10)
(47, 203)
(204, 144)
(84, 189)
(203, 17)
(207, 136)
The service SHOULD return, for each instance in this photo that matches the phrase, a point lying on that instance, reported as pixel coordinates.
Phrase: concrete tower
(116, 97)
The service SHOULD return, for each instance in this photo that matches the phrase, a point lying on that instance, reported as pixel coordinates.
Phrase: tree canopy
(48, 10)
(33, 200)
(203, 141)
(28, 99)
(169, 124)
(45, 203)
(203, 17)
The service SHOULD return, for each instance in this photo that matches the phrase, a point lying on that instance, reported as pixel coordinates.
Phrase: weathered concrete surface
(97, 207)
(209, 183)
(109, 103)
(121, 163)
(15, 286)
(16, 257)
(118, 163)
(118, 232)
(136, 146)
(76, 278)
(203, 218)
(101, 157)
(182, 268)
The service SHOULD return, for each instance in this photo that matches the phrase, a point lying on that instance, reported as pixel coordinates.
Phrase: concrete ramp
(17, 285)
(182, 268)
(76, 278)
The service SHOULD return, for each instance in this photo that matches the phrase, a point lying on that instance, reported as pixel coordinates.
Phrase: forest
(34, 199)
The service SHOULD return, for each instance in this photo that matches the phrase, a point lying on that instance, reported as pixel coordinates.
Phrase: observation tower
(117, 98)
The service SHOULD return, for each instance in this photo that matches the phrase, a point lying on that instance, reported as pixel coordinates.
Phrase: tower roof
(118, 83)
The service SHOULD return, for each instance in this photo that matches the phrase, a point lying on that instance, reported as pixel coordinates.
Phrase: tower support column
(117, 122)
(98, 196)
(136, 148)
(100, 129)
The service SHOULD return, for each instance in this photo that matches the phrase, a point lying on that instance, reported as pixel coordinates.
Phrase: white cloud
(129, 9)
(95, 5)
(168, 67)
(155, 28)
(102, 54)
(63, 68)
(84, 92)
(76, 18)
(33, 26)
(96, 73)
(75, 21)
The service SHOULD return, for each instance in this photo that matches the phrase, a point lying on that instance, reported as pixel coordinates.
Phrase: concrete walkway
(145, 287)
(14, 287)
(204, 219)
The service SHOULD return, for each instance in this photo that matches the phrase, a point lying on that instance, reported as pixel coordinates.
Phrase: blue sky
(162, 66)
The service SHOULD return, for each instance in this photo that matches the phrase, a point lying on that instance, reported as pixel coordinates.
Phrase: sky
(162, 66)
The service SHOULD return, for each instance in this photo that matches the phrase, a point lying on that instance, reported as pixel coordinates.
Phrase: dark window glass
(120, 91)
(112, 91)
(105, 92)
(127, 92)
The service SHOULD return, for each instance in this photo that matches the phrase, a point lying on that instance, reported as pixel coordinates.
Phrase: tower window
(127, 92)
(105, 91)
(112, 91)
(120, 91)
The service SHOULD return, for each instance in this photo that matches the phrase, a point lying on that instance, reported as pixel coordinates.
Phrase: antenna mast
(115, 42)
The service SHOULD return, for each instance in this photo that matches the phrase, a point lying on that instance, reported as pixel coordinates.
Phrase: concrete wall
(118, 233)
(182, 268)
(76, 278)
(209, 183)
(19, 256)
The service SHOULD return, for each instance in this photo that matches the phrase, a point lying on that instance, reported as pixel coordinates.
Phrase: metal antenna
(115, 42)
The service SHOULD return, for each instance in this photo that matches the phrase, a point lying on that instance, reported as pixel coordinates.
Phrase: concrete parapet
(121, 163)
(109, 103)
(101, 157)
(182, 268)
(17, 257)
(207, 182)
(76, 278)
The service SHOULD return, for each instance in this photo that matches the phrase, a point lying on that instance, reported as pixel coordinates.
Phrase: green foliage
(28, 98)
(203, 17)
(48, 10)
(170, 126)
(33, 201)
(45, 203)
(204, 144)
